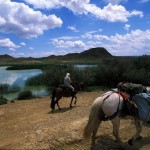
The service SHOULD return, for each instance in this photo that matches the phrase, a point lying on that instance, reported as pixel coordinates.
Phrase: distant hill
(92, 53)
(96, 52)
(5, 56)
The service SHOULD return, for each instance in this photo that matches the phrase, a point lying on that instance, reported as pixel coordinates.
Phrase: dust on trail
(30, 124)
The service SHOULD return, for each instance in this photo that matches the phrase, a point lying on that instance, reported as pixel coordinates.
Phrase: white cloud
(73, 45)
(94, 31)
(2, 21)
(114, 2)
(73, 28)
(113, 13)
(132, 43)
(90, 35)
(68, 37)
(31, 48)
(20, 19)
(110, 12)
(12, 49)
(7, 43)
(126, 27)
(15, 54)
(34, 54)
(44, 4)
(23, 44)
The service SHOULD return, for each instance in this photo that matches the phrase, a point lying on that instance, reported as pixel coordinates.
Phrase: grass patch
(25, 94)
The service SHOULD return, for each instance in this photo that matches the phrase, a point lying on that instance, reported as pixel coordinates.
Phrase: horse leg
(75, 100)
(116, 125)
(138, 125)
(57, 103)
(93, 136)
(95, 118)
(71, 102)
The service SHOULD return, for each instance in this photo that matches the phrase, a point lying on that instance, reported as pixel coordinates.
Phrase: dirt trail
(30, 124)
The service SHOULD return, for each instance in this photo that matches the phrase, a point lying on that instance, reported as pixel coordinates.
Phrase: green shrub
(55, 74)
(13, 89)
(108, 73)
(26, 94)
(3, 100)
(3, 88)
(136, 76)
(36, 80)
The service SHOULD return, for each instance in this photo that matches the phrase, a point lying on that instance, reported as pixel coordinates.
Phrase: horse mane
(78, 86)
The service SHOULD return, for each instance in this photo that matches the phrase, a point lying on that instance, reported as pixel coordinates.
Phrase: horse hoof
(139, 138)
(130, 142)
(70, 106)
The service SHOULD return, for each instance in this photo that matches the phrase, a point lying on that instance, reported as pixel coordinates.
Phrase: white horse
(107, 107)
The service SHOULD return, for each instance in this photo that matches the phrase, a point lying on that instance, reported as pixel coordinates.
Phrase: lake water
(83, 66)
(18, 78)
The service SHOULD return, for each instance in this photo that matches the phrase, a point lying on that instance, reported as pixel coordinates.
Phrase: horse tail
(95, 119)
(53, 99)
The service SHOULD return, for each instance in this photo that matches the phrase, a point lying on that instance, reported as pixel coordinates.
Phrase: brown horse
(62, 91)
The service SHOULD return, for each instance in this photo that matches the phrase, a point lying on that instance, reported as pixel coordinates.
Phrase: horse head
(78, 86)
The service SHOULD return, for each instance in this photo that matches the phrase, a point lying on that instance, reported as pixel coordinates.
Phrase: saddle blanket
(142, 102)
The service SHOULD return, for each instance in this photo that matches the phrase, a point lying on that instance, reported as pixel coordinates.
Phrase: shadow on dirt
(107, 142)
(62, 110)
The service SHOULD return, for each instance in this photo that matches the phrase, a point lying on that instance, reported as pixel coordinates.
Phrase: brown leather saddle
(66, 90)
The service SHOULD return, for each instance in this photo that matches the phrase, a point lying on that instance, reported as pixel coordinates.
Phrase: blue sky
(39, 28)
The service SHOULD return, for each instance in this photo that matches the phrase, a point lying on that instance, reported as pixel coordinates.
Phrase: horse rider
(67, 82)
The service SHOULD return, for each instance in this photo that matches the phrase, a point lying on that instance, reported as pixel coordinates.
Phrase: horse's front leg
(138, 125)
(75, 100)
(116, 126)
(71, 102)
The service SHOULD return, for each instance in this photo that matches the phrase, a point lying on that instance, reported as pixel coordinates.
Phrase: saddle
(66, 89)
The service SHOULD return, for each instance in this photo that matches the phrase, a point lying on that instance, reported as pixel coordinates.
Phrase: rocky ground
(30, 124)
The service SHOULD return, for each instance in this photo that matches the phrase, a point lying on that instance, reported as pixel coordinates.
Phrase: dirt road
(30, 124)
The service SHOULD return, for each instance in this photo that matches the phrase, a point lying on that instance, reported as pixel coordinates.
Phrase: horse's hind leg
(116, 125)
(57, 103)
(94, 133)
(138, 125)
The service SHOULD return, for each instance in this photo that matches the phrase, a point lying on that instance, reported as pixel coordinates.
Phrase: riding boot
(72, 92)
